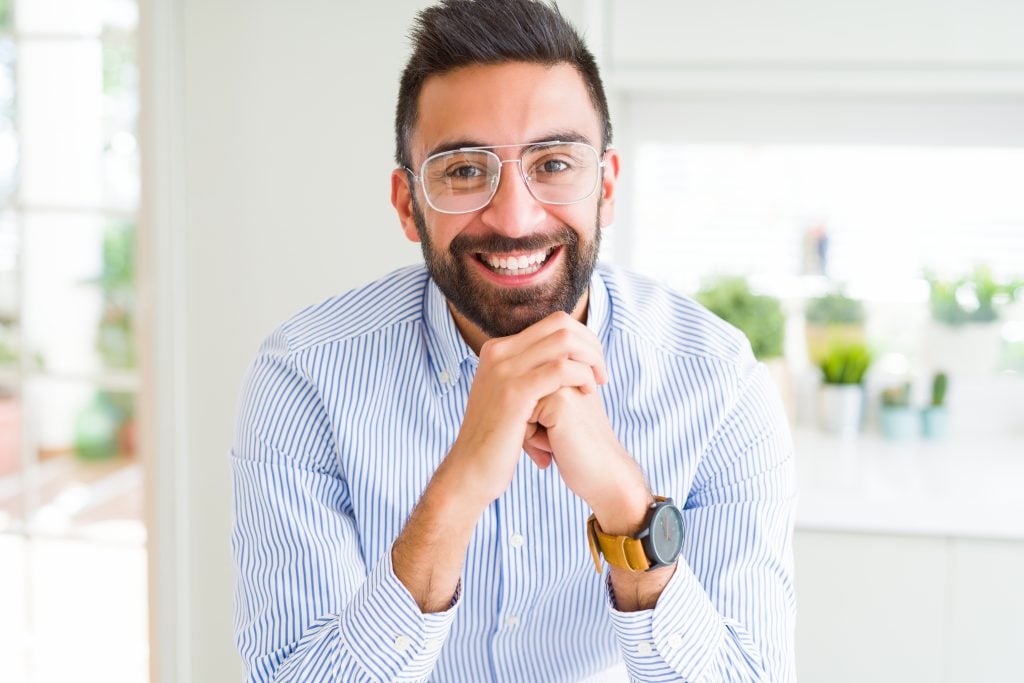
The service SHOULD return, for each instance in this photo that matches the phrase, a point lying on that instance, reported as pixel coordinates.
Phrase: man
(388, 524)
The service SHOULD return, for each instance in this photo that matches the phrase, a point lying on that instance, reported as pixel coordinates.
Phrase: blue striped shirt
(350, 406)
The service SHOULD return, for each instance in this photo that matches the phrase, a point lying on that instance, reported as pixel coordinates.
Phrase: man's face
(501, 105)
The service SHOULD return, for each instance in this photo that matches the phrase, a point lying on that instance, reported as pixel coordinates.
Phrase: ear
(401, 199)
(609, 180)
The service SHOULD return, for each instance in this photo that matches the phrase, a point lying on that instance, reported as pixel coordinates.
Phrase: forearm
(430, 552)
(622, 512)
(353, 623)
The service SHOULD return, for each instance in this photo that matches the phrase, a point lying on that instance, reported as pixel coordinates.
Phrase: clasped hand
(537, 391)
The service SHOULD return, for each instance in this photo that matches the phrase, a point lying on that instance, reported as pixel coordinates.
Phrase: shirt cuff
(677, 639)
(384, 630)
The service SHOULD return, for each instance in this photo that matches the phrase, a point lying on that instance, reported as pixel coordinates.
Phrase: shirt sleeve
(306, 608)
(728, 612)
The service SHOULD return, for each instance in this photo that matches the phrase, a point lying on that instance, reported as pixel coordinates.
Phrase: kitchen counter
(962, 488)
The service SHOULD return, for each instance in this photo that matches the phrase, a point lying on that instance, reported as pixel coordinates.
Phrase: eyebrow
(556, 136)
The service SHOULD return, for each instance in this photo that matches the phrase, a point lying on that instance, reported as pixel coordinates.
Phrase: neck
(475, 337)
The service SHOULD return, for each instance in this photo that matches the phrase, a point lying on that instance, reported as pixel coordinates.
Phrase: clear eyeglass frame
(487, 196)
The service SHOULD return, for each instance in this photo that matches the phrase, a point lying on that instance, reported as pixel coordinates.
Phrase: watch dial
(667, 533)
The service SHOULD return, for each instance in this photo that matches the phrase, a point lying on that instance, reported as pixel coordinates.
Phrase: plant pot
(934, 422)
(898, 423)
(10, 436)
(96, 428)
(841, 409)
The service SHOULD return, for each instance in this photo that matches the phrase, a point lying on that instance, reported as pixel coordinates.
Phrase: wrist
(623, 513)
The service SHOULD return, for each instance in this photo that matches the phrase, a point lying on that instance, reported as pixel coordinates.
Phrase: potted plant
(106, 426)
(115, 337)
(897, 419)
(10, 432)
(935, 417)
(965, 335)
(760, 318)
(830, 320)
(843, 367)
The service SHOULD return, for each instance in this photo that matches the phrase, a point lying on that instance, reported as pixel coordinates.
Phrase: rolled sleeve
(727, 613)
(383, 629)
(675, 640)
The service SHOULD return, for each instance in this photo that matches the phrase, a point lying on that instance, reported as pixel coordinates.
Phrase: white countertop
(958, 487)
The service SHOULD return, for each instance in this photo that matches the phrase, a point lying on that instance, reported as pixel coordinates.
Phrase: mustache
(472, 244)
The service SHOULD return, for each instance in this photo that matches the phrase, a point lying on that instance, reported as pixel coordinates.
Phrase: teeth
(516, 262)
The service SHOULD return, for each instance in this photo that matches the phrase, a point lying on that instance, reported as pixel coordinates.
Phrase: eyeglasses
(465, 180)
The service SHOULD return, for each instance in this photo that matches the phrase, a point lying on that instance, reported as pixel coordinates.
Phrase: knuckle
(563, 336)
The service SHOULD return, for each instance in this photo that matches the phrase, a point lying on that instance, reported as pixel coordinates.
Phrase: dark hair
(457, 33)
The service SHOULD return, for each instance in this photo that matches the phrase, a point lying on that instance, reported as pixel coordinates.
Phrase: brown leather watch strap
(625, 552)
(620, 551)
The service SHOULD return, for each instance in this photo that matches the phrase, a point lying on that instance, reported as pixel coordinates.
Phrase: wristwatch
(657, 545)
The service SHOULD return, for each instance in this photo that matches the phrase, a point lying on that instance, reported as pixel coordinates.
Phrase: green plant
(845, 363)
(8, 351)
(115, 335)
(759, 317)
(896, 396)
(940, 384)
(834, 309)
(972, 298)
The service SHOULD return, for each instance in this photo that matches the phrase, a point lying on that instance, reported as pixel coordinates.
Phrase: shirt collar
(447, 349)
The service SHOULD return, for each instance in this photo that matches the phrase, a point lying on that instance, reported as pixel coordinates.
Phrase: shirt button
(402, 643)
(644, 649)
(444, 377)
(512, 620)
(516, 541)
(675, 640)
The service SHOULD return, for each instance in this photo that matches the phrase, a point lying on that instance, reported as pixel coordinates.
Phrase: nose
(513, 210)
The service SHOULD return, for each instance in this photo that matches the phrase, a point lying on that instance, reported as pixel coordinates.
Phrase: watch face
(666, 533)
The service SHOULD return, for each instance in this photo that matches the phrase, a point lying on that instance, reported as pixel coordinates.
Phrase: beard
(503, 311)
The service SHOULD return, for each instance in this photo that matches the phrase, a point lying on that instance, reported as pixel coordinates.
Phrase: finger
(554, 375)
(516, 345)
(531, 428)
(561, 343)
(539, 440)
(541, 458)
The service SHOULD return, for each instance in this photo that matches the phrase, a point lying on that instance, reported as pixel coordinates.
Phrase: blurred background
(842, 181)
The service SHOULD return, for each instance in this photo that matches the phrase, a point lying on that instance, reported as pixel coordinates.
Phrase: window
(72, 537)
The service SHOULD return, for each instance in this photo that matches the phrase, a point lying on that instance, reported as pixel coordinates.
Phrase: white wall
(288, 150)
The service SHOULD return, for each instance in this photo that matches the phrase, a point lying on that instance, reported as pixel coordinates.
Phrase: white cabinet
(798, 33)
(986, 611)
(893, 608)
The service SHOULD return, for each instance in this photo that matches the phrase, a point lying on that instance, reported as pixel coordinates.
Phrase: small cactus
(939, 386)
(897, 396)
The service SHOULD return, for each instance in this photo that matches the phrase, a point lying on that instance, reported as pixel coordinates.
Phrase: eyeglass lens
(465, 180)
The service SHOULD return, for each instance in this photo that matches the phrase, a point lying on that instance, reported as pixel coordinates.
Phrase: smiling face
(513, 262)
